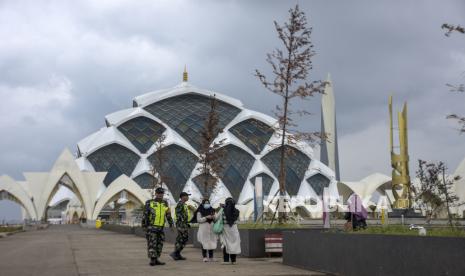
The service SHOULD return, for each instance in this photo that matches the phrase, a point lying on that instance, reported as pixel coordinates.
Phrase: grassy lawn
(4, 229)
(404, 230)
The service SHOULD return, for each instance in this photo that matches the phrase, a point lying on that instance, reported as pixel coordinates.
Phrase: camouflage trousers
(155, 238)
(181, 239)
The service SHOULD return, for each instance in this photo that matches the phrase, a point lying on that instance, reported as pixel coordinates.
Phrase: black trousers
(227, 256)
(210, 253)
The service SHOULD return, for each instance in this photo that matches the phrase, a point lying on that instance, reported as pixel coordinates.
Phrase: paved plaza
(72, 250)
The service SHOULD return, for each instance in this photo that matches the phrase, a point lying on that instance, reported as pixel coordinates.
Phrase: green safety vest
(159, 209)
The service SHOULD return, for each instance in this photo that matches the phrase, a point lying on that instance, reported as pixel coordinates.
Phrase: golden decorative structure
(184, 74)
(399, 162)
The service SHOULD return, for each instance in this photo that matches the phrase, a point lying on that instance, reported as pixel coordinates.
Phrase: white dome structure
(127, 144)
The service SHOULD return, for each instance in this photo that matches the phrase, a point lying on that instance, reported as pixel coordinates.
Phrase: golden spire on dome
(184, 74)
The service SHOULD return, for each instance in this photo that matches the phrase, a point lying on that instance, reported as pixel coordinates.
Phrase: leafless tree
(435, 191)
(211, 152)
(290, 67)
(459, 87)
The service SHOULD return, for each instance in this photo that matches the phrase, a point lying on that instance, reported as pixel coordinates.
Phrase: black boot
(158, 262)
(153, 261)
(181, 258)
(175, 256)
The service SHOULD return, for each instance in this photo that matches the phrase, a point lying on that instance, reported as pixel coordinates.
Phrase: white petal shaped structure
(85, 185)
(11, 190)
(122, 183)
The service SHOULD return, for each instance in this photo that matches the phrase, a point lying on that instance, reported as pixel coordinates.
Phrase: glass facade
(114, 159)
(175, 164)
(318, 182)
(267, 183)
(237, 165)
(144, 180)
(205, 190)
(253, 133)
(142, 132)
(186, 114)
(296, 165)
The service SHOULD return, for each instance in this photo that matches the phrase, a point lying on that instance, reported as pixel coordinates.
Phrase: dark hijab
(230, 212)
(204, 212)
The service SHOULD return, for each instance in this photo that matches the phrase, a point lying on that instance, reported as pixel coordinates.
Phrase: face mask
(206, 205)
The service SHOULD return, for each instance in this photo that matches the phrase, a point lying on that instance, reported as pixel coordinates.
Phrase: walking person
(229, 238)
(182, 224)
(204, 216)
(156, 212)
(356, 215)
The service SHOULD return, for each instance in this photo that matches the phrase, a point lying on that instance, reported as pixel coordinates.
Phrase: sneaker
(205, 260)
(225, 263)
(211, 260)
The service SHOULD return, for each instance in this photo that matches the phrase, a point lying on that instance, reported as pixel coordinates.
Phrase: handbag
(219, 224)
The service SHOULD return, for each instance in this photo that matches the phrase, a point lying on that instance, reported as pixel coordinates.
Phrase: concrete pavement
(72, 250)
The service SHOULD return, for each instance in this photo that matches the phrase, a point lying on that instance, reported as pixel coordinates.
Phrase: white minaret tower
(329, 154)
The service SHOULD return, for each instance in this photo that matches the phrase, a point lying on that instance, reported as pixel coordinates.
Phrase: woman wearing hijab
(205, 216)
(357, 214)
(230, 239)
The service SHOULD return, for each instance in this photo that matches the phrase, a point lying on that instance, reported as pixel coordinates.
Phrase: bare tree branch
(452, 28)
(290, 67)
(211, 152)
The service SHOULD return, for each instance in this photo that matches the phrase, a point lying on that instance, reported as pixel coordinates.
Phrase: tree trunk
(446, 194)
(282, 171)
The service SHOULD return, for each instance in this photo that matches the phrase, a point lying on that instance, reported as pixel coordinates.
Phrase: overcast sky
(64, 65)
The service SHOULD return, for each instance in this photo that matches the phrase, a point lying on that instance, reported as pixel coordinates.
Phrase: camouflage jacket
(182, 216)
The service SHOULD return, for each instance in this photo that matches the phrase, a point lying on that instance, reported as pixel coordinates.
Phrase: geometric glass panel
(296, 165)
(267, 183)
(255, 134)
(142, 132)
(237, 164)
(145, 180)
(186, 114)
(114, 159)
(112, 173)
(318, 182)
(205, 183)
(176, 166)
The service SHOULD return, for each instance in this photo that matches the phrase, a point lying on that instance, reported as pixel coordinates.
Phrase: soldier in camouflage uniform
(182, 224)
(153, 221)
